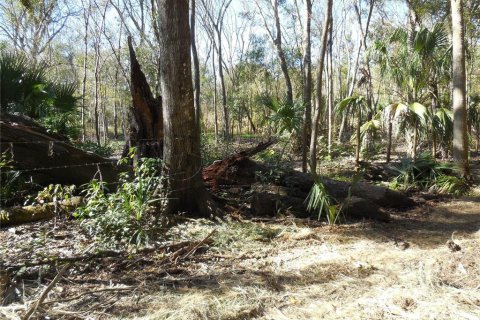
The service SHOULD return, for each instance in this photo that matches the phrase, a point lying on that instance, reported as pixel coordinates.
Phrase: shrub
(319, 200)
(129, 215)
(426, 173)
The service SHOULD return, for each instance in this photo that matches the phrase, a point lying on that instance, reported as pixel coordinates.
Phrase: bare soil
(278, 269)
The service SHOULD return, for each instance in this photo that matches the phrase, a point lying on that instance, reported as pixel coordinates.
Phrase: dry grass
(352, 272)
(401, 270)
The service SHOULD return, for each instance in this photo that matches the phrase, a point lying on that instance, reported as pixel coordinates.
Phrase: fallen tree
(50, 158)
(287, 190)
(19, 215)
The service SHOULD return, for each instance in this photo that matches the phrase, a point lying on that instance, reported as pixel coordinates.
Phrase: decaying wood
(146, 125)
(19, 215)
(50, 158)
(237, 169)
(287, 191)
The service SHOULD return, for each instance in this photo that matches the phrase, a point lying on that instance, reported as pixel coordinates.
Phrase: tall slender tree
(307, 84)
(319, 99)
(460, 141)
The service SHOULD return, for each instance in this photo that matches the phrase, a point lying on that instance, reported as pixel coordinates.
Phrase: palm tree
(357, 104)
(26, 89)
(412, 118)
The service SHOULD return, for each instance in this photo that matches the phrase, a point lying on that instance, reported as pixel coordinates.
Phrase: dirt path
(398, 270)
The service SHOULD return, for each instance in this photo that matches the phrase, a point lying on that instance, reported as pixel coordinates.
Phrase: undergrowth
(131, 214)
(425, 173)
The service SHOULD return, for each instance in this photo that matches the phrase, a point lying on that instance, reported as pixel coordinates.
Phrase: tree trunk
(317, 113)
(182, 158)
(434, 101)
(226, 133)
(215, 112)
(196, 64)
(86, 16)
(281, 53)
(146, 127)
(330, 90)
(307, 86)
(359, 144)
(389, 147)
(460, 139)
(47, 158)
(97, 93)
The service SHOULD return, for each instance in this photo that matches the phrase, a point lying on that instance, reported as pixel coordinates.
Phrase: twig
(91, 292)
(189, 253)
(97, 255)
(175, 256)
(45, 292)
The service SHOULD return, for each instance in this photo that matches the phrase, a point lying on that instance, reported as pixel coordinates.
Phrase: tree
(307, 84)
(215, 31)
(358, 104)
(182, 159)
(276, 36)
(459, 81)
(317, 113)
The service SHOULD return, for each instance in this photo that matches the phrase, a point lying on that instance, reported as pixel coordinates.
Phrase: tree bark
(182, 158)
(317, 113)
(146, 127)
(460, 139)
(307, 85)
(196, 64)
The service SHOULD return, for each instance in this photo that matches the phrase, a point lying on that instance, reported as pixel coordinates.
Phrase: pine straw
(401, 270)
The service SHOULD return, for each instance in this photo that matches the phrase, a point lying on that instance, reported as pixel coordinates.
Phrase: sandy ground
(291, 269)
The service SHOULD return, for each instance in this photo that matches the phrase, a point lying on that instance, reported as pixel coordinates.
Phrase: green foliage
(214, 150)
(10, 183)
(286, 117)
(55, 193)
(26, 89)
(451, 185)
(131, 214)
(319, 200)
(426, 173)
(443, 125)
(104, 151)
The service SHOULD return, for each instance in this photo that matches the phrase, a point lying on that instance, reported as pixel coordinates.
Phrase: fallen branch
(190, 249)
(129, 288)
(45, 292)
(19, 215)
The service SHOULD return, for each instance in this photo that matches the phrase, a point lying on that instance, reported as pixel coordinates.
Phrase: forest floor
(278, 269)
(422, 265)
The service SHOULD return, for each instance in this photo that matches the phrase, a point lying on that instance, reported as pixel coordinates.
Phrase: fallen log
(50, 158)
(20, 215)
(288, 189)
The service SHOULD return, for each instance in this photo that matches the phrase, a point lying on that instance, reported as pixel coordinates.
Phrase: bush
(131, 214)
(426, 173)
(319, 200)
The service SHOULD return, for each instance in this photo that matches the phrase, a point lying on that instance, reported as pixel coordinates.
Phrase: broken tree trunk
(237, 169)
(146, 125)
(50, 158)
